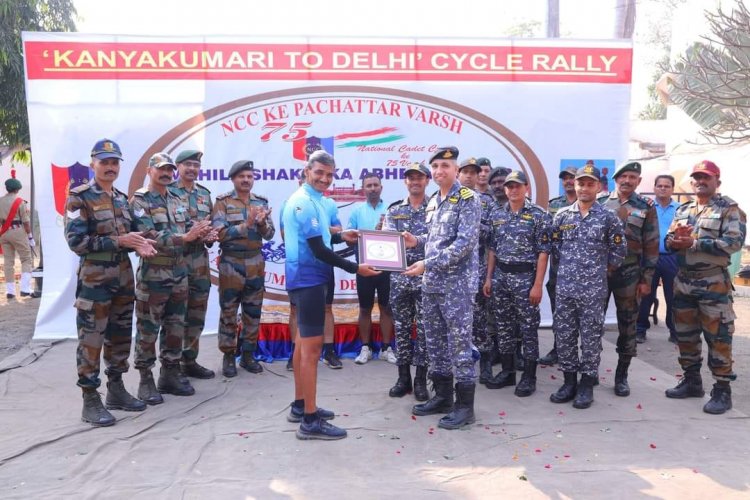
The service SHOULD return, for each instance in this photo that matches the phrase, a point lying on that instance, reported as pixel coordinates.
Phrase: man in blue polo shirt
(309, 259)
(666, 267)
(369, 215)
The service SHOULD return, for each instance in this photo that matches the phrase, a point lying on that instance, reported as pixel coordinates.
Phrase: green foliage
(17, 16)
(711, 81)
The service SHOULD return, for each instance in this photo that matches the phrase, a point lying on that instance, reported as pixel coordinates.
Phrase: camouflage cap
(239, 166)
(568, 171)
(189, 154)
(516, 176)
(106, 148)
(417, 167)
(470, 163)
(590, 171)
(445, 153)
(160, 160)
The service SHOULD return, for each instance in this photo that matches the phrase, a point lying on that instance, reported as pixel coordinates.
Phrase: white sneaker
(388, 355)
(364, 355)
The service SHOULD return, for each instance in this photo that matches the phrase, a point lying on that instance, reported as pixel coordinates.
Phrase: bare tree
(711, 81)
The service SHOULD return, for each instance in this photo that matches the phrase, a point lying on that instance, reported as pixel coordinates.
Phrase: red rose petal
(561, 413)
(639, 406)
(553, 377)
(413, 417)
(502, 413)
(652, 446)
(566, 456)
(548, 466)
(538, 450)
(398, 452)
(345, 414)
(653, 378)
(609, 370)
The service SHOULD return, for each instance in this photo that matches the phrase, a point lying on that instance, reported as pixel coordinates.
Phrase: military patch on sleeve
(453, 199)
(527, 216)
(466, 193)
(139, 212)
(73, 214)
(555, 235)
(618, 239)
(545, 238)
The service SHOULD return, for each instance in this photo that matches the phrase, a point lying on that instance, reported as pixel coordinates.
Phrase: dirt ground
(17, 318)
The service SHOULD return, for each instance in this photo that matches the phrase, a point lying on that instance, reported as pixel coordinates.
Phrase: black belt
(705, 273)
(106, 256)
(521, 267)
(245, 254)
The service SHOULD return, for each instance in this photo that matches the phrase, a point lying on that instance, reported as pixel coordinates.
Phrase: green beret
(189, 154)
(12, 185)
(445, 153)
(632, 166)
(239, 166)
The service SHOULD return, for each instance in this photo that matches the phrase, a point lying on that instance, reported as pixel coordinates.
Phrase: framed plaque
(383, 250)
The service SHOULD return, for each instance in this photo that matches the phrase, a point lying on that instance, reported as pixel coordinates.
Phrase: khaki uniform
(15, 241)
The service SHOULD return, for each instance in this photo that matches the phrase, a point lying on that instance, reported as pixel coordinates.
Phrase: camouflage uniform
(241, 270)
(481, 338)
(162, 287)
(703, 288)
(555, 204)
(450, 258)
(105, 289)
(199, 206)
(642, 234)
(586, 247)
(517, 240)
(406, 291)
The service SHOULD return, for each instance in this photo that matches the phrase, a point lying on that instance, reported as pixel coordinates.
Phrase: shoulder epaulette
(466, 193)
(117, 191)
(140, 192)
(395, 203)
(80, 189)
(602, 197)
(261, 197)
(554, 199)
(648, 200)
(203, 187)
(729, 201)
(224, 195)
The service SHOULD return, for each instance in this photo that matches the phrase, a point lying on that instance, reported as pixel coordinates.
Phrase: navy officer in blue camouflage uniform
(517, 262)
(409, 215)
(468, 175)
(589, 241)
(449, 286)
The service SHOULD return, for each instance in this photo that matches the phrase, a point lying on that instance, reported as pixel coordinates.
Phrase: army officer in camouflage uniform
(242, 219)
(98, 228)
(705, 233)
(198, 200)
(449, 286)
(162, 288)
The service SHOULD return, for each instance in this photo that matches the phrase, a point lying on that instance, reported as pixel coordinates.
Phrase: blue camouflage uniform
(406, 291)
(517, 239)
(481, 338)
(449, 281)
(586, 248)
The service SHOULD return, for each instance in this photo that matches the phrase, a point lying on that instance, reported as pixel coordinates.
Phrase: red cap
(706, 167)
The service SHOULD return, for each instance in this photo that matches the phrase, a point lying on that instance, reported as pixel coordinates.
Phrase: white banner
(376, 105)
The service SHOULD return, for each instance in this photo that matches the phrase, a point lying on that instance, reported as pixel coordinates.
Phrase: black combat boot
(622, 388)
(442, 401)
(568, 390)
(420, 384)
(118, 398)
(527, 385)
(550, 358)
(93, 410)
(172, 381)
(228, 366)
(191, 368)
(585, 393)
(689, 386)
(519, 361)
(147, 388)
(403, 383)
(507, 376)
(485, 367)
(248, 362)
(721, 399)
(463, 410)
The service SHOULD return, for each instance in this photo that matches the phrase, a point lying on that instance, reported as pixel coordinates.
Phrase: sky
(582, 19)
